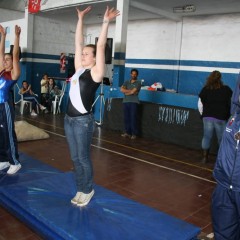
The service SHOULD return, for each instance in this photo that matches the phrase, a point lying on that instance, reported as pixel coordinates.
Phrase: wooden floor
(163, 176)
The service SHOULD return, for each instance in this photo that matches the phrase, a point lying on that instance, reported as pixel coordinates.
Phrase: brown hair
(8, 54)
(93, 47)
(214, 80)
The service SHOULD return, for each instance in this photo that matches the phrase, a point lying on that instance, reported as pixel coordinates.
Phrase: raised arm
(2, 46)
(79, 39)
(99, 69)
(16, 65)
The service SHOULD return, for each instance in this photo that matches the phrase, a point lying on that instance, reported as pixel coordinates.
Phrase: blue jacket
(227, 167)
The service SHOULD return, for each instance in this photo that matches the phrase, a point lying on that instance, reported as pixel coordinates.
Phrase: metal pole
(102, 103)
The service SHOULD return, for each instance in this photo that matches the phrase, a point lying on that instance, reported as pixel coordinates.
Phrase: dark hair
(93, 47)
(134, 70)
(24, 81)
(54, 83)
(214, 80)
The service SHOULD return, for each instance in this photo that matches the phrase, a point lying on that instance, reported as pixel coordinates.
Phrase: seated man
(29, 95)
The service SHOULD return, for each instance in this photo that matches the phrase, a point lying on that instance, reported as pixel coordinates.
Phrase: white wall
(213, 38)
(11, 33)
(52, 36)
(151, 39)
(9, 15)
(59, 36)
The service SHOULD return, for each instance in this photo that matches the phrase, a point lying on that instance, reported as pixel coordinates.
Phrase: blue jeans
(130, 118)
(208, 128)
(33, 100)
(79, 132)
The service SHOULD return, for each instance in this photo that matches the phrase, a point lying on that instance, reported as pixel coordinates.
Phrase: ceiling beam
(54, 5)
(155, 10)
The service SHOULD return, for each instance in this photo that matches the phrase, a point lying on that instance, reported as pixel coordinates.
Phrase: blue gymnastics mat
(40, 195)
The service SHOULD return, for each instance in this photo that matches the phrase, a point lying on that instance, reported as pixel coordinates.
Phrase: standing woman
(9, 73)
(79, 121)
(214, 106)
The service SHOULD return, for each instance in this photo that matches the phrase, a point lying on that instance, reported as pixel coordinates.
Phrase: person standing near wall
(44, 89)
(226, 196)
(9, 73)
(131, 88)
(214, 106)
(79, 122)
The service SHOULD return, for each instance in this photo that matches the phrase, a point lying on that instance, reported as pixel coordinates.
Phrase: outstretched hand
(17, 30)
(110, 14)
(3, 30)
(82, 13)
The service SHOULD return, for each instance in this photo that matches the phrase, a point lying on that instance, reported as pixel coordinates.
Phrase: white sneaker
(14, 168)
(126, 135)
(42, 107)
(75, 199)
(84, 199)
(4, 165)
(33, 113)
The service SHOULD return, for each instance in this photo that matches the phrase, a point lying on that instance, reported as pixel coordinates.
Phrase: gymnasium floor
(163, 176)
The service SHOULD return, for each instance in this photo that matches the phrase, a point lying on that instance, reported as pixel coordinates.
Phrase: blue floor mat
(40, 196)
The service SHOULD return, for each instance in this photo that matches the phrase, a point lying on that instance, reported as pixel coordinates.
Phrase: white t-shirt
(44, 88)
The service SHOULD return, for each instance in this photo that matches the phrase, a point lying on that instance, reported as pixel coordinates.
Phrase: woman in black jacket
(214, 107)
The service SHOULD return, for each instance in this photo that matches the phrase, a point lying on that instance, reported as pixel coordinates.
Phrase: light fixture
(184, 9)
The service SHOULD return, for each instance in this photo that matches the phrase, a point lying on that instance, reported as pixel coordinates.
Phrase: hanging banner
(34, 6)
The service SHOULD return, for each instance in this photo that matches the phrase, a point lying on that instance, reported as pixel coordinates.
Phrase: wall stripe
(186, 76)
(38, 60)
(185, 63)
(183, 68)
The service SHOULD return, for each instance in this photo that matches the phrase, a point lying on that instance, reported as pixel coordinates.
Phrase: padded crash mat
(40, 195)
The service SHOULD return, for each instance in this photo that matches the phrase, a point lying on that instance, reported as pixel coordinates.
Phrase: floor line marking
(139, 150)
(157, 155)
(144, 161)
(155, 164)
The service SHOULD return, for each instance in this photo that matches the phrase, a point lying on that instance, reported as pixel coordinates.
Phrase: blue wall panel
(187, 82)
(150, 76)
(192, 82)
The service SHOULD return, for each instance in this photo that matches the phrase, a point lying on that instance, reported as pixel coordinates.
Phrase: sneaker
(4, 165)
(14, 168)
(33, 113)
(125, 135)
(75, 199)
(42, 107)
(85, 198)
(133, 137)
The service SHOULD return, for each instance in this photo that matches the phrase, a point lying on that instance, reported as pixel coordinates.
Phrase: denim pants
(79, 132)
(34, 102)
(130, 118)
(208, 128)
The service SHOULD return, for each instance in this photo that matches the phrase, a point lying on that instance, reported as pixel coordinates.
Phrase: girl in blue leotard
(9, 73)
